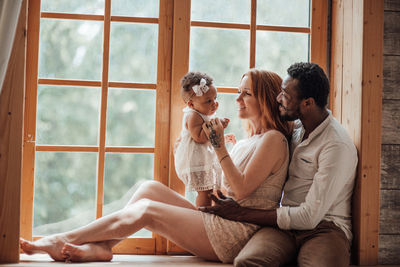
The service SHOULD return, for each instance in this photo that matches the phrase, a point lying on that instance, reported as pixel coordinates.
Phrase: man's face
(289, 102)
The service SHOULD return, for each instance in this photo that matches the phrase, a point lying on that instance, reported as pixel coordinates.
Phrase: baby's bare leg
(203, 198)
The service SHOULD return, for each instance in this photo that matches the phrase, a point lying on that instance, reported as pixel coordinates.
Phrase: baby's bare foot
(87, 252)
(51, 245)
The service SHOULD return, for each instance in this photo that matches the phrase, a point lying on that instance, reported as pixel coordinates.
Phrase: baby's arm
(194, 125)
(203, 198)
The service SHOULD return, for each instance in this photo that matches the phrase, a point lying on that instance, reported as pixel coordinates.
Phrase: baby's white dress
(196, 164)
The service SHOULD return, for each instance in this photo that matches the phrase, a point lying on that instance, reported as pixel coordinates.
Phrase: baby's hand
(225, 122)
(230, 138)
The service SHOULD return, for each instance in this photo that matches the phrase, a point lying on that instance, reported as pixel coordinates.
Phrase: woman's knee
(147, 189)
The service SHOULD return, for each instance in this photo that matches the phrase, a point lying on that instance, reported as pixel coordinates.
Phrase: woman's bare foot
(87, 252)
(51, 245)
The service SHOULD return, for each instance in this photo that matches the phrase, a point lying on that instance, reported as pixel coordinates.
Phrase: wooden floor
(128, 260)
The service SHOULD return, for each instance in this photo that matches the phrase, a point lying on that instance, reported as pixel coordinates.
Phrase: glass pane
(68, 115)
(135, 8)
(223, 54)
(70, 49)
(228, 11)
(74, 6)
(65, 191)
(229, 109)
(290, 12)
(276, 51)
(123, 175)
(133, 52)
(131, 117)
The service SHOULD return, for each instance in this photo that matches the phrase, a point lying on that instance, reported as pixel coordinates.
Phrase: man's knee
(329, 247)
(268, 247)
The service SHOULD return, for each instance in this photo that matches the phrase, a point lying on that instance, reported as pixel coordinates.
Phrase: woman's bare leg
(115, 226)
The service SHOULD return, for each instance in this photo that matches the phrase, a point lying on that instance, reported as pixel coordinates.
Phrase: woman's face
(246, 101)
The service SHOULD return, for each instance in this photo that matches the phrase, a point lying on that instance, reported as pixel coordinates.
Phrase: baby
(196, 163)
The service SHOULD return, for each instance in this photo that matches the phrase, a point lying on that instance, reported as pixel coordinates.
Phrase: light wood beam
(11, 136)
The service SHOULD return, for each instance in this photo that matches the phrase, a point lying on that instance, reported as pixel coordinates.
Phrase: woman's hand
(215, 133)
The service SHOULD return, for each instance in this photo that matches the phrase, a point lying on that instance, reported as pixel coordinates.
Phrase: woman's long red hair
(266, 87)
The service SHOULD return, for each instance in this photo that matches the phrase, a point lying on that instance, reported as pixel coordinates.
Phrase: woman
(254, 174)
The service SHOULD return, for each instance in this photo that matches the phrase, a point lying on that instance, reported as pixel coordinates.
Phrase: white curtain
(9, 12)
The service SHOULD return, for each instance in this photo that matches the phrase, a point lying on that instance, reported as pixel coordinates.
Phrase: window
(103, 108)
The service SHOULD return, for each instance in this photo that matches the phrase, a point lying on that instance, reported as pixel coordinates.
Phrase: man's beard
(287, 117)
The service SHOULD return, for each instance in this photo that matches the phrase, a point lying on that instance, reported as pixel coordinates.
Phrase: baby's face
(207, 103)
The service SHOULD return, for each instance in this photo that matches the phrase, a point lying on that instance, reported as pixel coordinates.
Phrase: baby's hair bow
(201, 88)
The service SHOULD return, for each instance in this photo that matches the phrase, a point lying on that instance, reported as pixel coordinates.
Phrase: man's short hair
(312, 82)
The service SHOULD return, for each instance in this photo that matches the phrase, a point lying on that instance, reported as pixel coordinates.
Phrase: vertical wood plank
(11, 138)
(361, 111)
(32, 55)
(180, 66)
(253, 33)
(319, 33)
(336, 81)
(370, 156)
(103, 110)
(161, 154)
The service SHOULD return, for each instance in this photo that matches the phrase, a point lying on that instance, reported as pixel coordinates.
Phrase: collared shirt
(321, 178)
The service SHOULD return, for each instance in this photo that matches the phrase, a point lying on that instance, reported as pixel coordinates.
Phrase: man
(314, 221)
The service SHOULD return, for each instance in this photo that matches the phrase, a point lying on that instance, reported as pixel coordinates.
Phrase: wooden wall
(11, 131)
(389, 229)
(356, 101)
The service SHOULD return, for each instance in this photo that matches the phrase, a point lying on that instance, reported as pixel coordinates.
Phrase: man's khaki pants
(326, 245)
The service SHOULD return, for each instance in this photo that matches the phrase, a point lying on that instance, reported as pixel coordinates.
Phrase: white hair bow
(201, 88)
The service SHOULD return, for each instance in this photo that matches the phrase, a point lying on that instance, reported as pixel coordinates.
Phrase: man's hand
(225, 207)
(228, 208)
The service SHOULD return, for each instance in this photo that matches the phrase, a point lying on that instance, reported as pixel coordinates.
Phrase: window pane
(233, 11)
(284, 13)
(224, 54)
(135, 8)
(133, 52)
(276, 51)
(228, 109)
(70, 49)
(67, 115)
(131, 117)
(123, 175)
(74, 6)
(65, 191)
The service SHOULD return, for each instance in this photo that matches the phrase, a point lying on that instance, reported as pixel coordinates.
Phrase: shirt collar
(320, 128)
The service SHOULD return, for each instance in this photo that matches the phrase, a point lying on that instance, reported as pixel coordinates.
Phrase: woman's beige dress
(229, 237)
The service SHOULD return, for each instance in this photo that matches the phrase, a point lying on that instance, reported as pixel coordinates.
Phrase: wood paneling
(11, 139)
(390, 123)
(390, 212)
(392, 5)
(391, 77)
(389, 249)
(336, 80)
(360, 38)
(390, 167)
(142, 246)
(319, 29)
(392, 33)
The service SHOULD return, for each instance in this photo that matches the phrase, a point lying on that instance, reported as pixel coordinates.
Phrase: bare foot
(87, 252)
(51, 245)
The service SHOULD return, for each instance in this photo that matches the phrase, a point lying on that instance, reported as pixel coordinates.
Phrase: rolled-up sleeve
(336, 169)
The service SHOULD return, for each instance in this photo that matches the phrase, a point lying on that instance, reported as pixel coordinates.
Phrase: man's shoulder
(335, 133)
